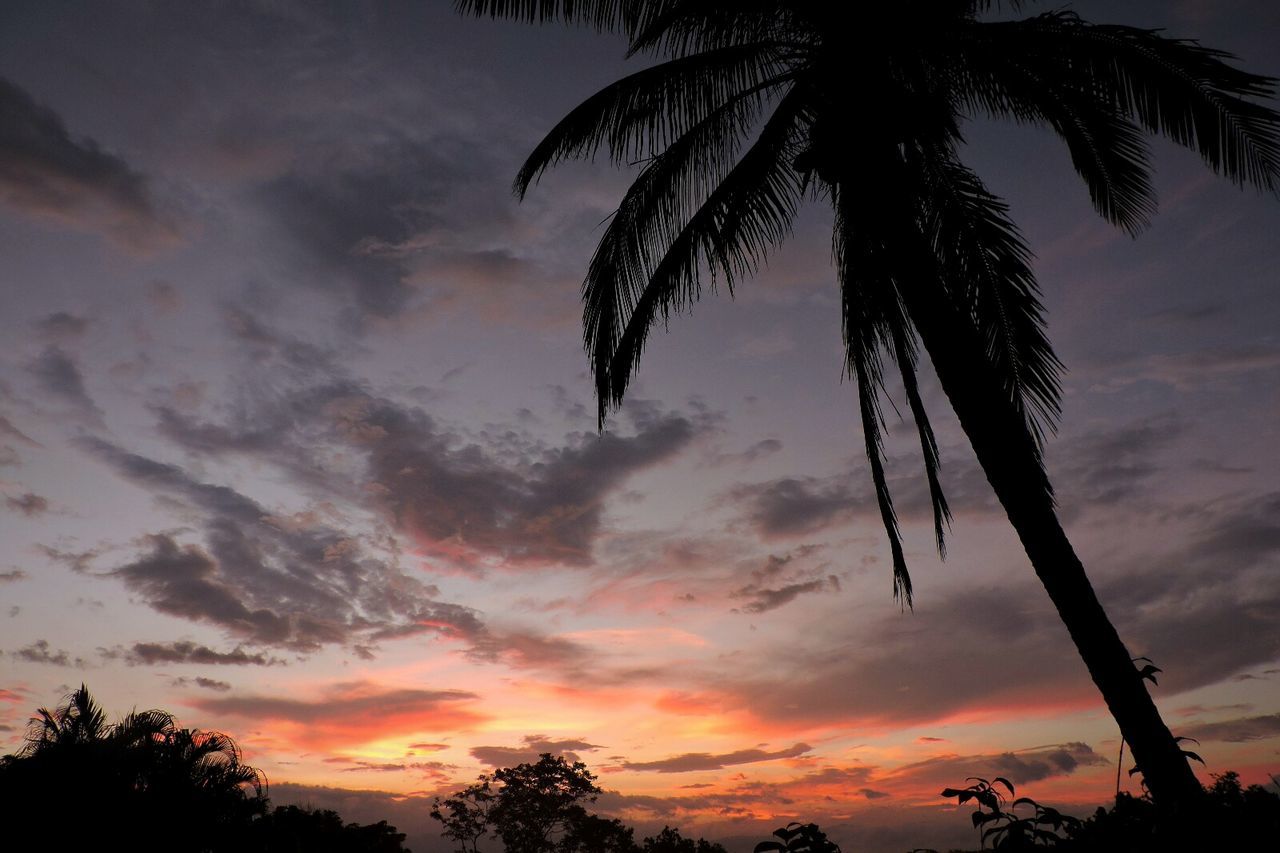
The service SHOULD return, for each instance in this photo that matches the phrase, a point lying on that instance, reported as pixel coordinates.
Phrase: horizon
(298, 442)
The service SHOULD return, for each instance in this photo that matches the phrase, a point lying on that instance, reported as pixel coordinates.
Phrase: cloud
(298, 586)
(792, 506)
(1021, 767)
(183, 651)
(465, 505)
(763, 599)
(41, 652)
(29, 504)
(1238, 730)
(691, 761)
(45, 173)
(58, 375)
(12, 576)
(212, 684)
(534, 747)
(353, 713)
(8, 430)
(62, 326)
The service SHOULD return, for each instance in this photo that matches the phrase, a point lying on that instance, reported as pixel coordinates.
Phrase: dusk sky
(297, 441)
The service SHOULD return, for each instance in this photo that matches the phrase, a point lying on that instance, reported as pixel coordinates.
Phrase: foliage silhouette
(292, 829)
(1231, 818)
(542, 808)
(755, 106)
(670, 840)
(146, 785)
(799, 838)
(143, 778)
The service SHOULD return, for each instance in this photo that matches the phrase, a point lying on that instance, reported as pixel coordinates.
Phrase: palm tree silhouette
(760, 104)
(142, 778)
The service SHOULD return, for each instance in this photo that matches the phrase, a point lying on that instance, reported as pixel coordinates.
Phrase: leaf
(1149, 672)
(1005, 782)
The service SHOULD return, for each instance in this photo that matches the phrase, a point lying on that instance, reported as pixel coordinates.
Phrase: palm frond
(1107, 149)
(986, 267)
(639, 115)
(872, 316)
(906, 358)
(1172, 87)
(687, 26)
(624, 16)
(749, 211)
(651, 216)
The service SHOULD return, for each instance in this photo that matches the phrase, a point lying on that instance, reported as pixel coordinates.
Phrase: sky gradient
(297, 442)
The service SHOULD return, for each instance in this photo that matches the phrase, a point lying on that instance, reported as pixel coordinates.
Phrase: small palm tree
(757, 105)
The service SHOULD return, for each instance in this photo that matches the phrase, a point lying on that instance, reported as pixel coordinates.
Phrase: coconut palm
(755, 106)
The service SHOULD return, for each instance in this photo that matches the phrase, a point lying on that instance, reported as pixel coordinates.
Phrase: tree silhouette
(757, 105)
(539, 804)
(670, 840)
(79, 780)
(542, 808)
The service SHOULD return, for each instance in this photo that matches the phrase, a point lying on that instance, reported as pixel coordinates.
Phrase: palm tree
(167, 788)
(757, 105)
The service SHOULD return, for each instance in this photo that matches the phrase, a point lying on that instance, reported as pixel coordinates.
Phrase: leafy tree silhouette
(542, 808)
(756, 105)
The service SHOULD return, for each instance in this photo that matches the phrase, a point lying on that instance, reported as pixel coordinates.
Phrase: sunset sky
(297, 442)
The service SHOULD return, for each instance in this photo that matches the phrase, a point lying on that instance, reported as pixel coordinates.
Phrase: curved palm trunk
(1006, 451)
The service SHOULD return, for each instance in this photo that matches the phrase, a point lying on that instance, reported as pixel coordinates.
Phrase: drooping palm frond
(869, 260)
(1107, 149)
(651, 216)
(905, 356)
(986, 267)
(640, 115)
(1172, 87)
(749, 212)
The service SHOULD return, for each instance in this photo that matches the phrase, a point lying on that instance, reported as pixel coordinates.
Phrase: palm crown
(757, 105)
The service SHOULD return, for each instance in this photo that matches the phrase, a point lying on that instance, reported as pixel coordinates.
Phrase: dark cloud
(764, 599)
(464, 503)
(182, 651)
(534, 746)
(46, 173)
(359, 218)
(212, 684)
(871, 794)
(1020, 767)
(1238, 730)
(691, 761)
(60, 378)
(41, 652)
(298, 583)
(12, 575)
(62, 326)
(793, 506)
(29, 504)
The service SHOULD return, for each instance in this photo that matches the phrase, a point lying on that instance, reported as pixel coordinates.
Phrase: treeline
(146, 785)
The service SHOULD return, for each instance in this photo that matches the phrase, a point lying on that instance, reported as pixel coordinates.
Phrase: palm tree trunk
(1007, 453)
